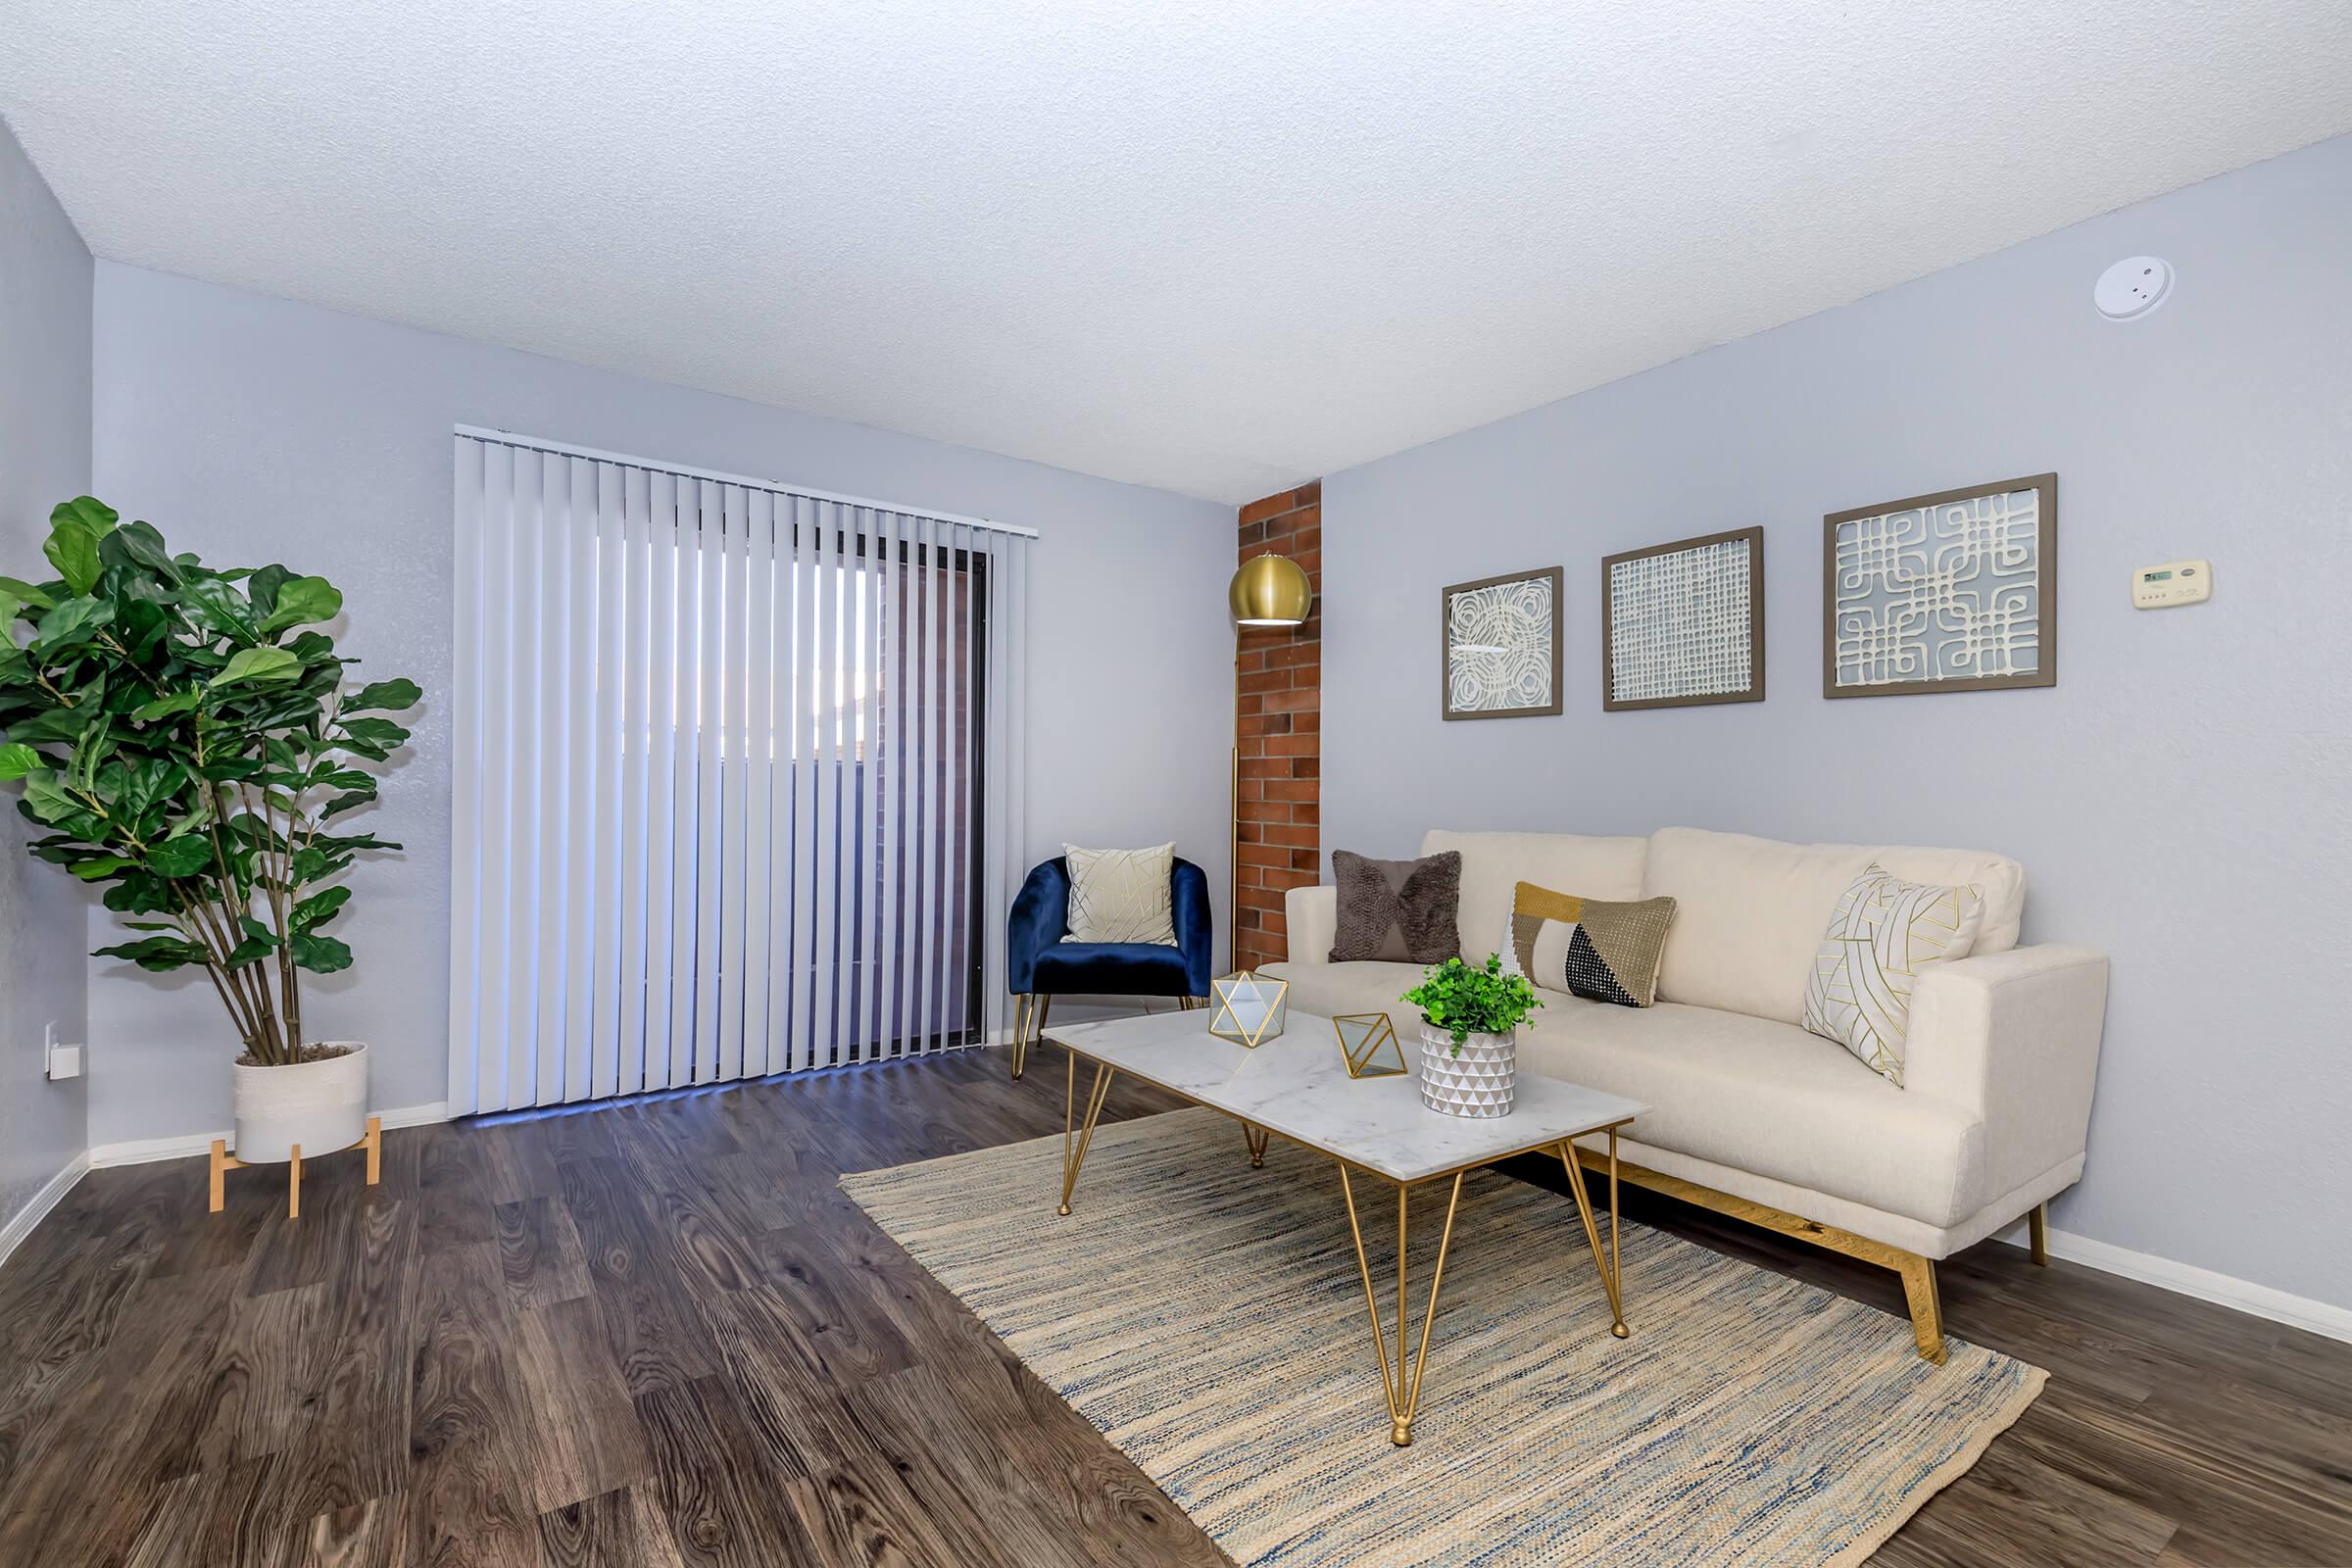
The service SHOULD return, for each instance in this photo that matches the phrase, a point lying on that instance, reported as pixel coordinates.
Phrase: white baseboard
(36, 1209)
(2186, 1279)
(146, 1151)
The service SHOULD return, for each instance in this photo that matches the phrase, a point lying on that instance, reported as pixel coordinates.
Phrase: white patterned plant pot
(1481, 1081)
(320, 1106)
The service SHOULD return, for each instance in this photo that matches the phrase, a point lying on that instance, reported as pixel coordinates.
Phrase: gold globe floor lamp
(1268, 590)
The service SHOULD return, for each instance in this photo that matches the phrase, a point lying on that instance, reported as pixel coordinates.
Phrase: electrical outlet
(61, 1060)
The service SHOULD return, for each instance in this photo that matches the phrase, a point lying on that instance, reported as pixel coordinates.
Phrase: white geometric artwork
(1682, 623)
(1502, 651)
(1945, 593)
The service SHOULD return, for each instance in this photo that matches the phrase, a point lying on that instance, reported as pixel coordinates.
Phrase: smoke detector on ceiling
(2133, 287)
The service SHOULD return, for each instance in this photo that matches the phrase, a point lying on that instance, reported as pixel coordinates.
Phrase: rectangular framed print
(1953, 592)
(1682, 625)
(1502, 648)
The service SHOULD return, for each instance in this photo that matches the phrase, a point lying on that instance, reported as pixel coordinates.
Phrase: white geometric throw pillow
(1885, 932)
(1121, 895)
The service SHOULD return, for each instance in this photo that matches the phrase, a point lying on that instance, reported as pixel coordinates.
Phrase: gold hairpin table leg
(1073, 1153)
(1583, 1210)
(1402, 1389)
(1255, 1137)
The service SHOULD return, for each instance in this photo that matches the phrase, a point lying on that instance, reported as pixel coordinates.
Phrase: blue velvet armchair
(1037, 962)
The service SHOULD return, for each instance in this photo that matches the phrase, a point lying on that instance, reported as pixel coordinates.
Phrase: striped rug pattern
(1209, 1318)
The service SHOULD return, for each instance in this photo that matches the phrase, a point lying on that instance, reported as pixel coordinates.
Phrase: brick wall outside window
(1278, 730)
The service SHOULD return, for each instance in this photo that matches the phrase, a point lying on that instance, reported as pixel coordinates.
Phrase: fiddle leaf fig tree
(185, 737)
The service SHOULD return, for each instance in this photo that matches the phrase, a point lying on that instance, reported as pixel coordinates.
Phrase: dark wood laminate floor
(658, 1335)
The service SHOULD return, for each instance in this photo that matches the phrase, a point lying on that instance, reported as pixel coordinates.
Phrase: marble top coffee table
(1296, 1087)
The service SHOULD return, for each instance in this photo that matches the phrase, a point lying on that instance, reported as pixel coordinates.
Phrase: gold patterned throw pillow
(1885, 932)
(1600, 949)
(1122, 895)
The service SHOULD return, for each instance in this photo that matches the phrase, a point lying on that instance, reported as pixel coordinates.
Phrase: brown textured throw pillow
(1397, 911)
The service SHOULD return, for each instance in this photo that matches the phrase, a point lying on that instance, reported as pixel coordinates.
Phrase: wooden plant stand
(223, 1162)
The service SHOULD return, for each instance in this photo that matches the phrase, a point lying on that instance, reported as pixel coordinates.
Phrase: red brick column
(1278, 731)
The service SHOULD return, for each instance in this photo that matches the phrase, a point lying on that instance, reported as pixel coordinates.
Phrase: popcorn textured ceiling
(1216, 247)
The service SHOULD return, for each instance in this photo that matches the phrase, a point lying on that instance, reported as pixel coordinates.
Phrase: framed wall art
(1682, 625)
(1953, 592)
(1501, 645)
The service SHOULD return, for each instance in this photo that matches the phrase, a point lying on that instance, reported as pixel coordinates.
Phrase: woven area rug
(1210, 1320)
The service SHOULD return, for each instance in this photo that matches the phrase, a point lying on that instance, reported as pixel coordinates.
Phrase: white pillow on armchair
(1122, 895)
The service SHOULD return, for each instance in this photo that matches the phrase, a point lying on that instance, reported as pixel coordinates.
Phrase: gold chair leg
(2037, 1224)
(1255, 1137)
(1927, 1305)
(1021, 1033)
(1072, 1158)
(1402, 1390)
(1584, 1211)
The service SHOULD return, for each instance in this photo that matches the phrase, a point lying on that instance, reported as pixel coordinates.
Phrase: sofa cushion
(1493, 863)
(1748, 1092)
(1750, 912)
(1335, 988)
(1111, 970)
(1766, 1096)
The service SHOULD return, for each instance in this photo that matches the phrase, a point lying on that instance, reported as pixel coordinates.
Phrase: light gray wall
(2180, 798)
(44, 458)
(253, 429)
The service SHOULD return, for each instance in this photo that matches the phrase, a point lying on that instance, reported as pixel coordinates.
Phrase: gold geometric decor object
(1368, 1042)
(1250, 1009)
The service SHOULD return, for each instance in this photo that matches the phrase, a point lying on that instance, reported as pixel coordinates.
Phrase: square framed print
(1501, 645)
(1682, 625)
(1952, 592)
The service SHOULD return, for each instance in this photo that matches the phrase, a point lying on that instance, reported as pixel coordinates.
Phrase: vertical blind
(737, 774)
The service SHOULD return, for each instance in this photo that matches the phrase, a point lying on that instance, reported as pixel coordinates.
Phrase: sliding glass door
(736, 770)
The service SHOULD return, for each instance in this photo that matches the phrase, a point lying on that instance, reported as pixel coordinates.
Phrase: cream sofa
(1750, 1115)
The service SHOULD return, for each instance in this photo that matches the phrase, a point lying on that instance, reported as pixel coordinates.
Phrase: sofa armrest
(1312, 916)
(2013, 1037)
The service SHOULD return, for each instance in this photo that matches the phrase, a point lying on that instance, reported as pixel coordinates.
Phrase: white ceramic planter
(321, 1105)
(1483, 1081)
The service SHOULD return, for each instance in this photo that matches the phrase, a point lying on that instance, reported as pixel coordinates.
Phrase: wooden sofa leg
(1927, 1308)
(2038, 1225)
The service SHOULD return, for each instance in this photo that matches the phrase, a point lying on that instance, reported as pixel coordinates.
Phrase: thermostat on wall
(2176, 582)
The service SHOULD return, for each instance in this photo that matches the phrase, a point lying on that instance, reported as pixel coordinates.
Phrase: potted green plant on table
(1469, 1036)
(184, 737)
